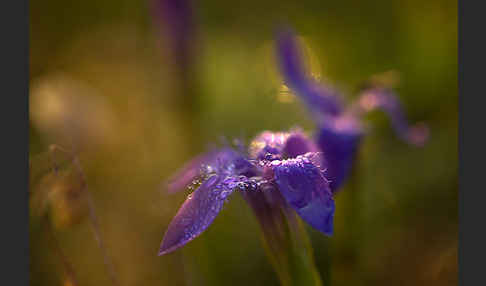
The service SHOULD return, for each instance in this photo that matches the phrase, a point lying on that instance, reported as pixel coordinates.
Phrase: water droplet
(224, 194)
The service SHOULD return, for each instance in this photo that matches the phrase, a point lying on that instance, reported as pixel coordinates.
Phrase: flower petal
(319, 98)
(224, 161)
(305, 189)
(228, 162)
(187, 173)
(339, 139)
(386, 100)
(268, 145)
(196, 214)
(298, 144)
(290, 58)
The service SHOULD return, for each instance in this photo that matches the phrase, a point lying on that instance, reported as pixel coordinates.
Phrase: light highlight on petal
(320, 99)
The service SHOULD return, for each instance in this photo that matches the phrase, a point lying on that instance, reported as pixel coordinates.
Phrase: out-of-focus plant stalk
(352, 217)
(175, 21)
(53, 167)
(97, 234)
(68, 268)
(93, 219)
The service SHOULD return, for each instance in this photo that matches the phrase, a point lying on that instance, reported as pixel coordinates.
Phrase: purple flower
(279, 170)
(340, 129)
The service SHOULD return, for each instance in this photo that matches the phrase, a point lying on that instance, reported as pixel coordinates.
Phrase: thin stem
(285, 240)
(302, 252)
(95, 227)
(97, 234)
(353, 222)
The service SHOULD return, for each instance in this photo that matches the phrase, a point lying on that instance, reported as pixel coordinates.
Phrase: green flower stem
(289, 249)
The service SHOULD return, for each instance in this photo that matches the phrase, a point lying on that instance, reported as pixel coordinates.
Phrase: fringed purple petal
(320, 99)
(385, 99)
(197, 213)
(298, 144)
(339, 139)
(305, 189)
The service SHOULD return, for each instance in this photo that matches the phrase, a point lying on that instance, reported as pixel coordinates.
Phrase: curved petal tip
(307, 191)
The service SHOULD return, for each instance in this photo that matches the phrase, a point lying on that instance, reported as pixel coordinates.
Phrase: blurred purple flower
(279, 171)
(340, 128)
(176, 20)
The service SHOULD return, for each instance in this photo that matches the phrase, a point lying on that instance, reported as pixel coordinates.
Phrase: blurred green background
(102, 82)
